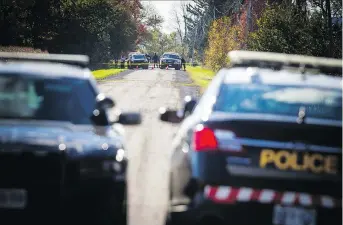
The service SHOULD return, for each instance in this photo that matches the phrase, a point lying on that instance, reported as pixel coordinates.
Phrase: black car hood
(58, 136)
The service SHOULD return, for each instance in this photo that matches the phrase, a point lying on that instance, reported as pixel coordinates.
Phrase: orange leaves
(223, 37)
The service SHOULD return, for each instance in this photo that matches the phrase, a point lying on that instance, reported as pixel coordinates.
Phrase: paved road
(149, 143)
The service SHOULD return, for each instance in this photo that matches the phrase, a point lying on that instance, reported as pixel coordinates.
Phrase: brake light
(204, 139)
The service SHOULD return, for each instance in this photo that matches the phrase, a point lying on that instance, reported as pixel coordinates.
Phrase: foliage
(223, 37)
(159, 43)
(282, 28)
(198, 19)
(150, 17)
(98, 28)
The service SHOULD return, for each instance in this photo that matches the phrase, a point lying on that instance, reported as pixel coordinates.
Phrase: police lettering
(285, 160)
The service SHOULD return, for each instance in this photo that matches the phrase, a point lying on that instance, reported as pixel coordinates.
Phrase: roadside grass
(200, 75)
(104, 73)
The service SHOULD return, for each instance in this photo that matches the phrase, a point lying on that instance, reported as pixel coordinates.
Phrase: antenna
(301, 115)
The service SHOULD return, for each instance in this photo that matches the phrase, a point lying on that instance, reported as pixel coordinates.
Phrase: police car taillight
(204, 139)
(207, 139)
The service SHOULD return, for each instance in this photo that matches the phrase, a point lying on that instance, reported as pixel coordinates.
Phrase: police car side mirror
(171, 116)
(103, 102)
(130, 118)
(189, 105)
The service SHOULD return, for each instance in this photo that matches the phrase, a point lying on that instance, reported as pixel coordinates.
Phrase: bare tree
(150, 16)
(178, 22)
(178, 16)
(184, 13)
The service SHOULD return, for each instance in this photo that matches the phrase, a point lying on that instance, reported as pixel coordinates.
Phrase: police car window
(283, 100)
(46, 99)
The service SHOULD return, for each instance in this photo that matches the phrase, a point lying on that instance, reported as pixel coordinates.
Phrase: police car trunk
(276, 169)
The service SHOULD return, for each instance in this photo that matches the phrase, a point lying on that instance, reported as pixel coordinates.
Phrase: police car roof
(244, 75)
(44, 69)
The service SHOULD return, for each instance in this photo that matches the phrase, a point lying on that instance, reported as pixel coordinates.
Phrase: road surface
(149, 143)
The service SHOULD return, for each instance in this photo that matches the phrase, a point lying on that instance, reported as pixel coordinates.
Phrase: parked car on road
(62, 160)
(170, 60)
(263, 145)
(138, 61)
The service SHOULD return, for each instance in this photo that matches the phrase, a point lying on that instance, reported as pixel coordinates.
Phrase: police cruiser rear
(263, 145)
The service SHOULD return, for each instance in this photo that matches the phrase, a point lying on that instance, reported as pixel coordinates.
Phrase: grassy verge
(201, 76)
(101, 74)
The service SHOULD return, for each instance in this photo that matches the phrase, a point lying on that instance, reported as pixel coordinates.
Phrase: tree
(150, 17)
(223, 37)
(180, 28)
(151, 22)
(65, 26)
(198, 19)
(285, 28)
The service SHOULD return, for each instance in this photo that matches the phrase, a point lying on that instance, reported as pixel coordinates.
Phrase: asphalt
(148, 144)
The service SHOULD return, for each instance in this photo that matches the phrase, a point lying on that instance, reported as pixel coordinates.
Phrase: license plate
(284, 215)
(170, 64)
(13, 198)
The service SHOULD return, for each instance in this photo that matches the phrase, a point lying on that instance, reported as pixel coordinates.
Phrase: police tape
(149, 64)
(142, 83)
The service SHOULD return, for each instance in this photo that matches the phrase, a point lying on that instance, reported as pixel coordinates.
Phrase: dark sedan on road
(263, 145)
(138, 61)
(170, 60)
(62, 160)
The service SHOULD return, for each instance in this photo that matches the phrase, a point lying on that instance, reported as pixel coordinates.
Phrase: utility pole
(248, 25)
(195, 37)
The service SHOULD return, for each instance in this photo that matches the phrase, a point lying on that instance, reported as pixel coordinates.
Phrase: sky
(165, 8)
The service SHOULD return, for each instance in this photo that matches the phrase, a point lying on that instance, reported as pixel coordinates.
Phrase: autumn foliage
(223, 37)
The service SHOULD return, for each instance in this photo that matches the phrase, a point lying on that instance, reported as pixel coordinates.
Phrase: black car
(138, 61)
(170, 60)
(263, 145)
(62, 160)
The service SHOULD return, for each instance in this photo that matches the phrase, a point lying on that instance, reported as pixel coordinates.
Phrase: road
(149, 143)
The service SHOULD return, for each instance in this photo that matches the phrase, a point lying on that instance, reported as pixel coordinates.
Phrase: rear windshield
(283, 100)
(138, 56)
(171, 56)
(66, 99)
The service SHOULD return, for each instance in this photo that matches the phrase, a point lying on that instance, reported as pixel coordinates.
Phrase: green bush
(284, 28)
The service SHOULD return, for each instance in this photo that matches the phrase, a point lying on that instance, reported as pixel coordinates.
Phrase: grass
(201, 76)
(102, 74)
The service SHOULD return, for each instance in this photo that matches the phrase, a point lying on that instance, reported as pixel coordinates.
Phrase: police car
(263, 145)
(63, 159)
